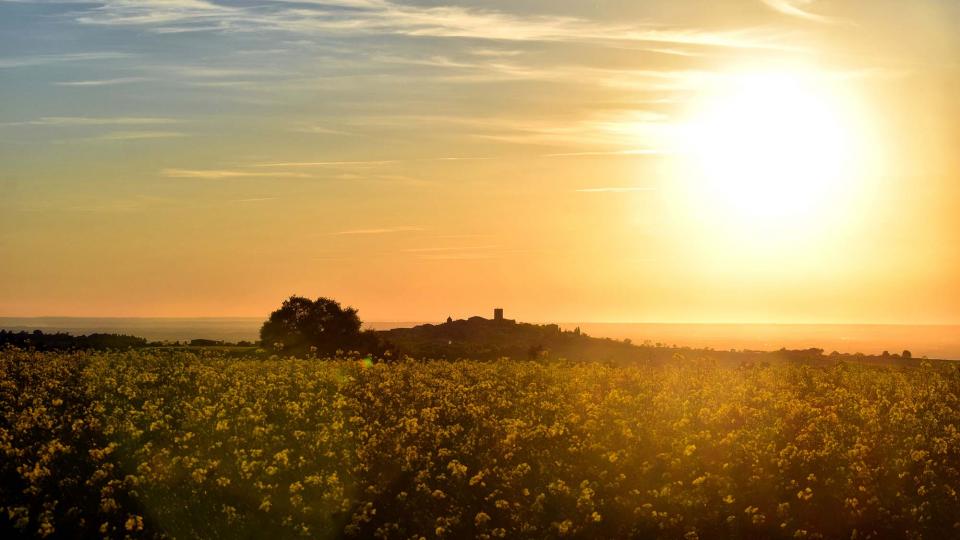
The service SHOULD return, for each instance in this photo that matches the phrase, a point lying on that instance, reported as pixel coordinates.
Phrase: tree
(302, 326)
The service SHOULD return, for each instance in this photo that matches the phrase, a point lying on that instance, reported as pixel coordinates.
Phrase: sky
(564, 160)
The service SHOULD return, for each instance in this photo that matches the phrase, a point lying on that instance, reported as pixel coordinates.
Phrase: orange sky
(670, 161)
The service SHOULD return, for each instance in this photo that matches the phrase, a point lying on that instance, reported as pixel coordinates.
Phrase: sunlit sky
(696, 161)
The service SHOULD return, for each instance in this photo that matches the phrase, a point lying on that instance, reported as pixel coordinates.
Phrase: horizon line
(541, 322)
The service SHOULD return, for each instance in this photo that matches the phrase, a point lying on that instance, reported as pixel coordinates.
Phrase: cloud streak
(138, 135)
(44, 59)
(222, 174)
(614, 189)
(378, 230)
(95, 121)
(459, 256)
(102, 82)
(625, 153)
(380, 17)
(442, 249)
(254, 200)
(793, 8)
(324, 163)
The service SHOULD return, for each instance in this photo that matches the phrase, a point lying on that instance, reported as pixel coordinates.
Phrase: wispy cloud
(459, 256)
(631, 152)
(254, 200)
(379, 230)
(103, 82)
(607, 133)
(136, 135)
(221, 174)
(638, 130)
(323, 163)
(458, 252)
(675, 51)
(498, 53)
(43, 59)
(94, 121)
(224, 84)
(796, 8)
(166, 15)
(457, 158)
(385, 17)
(614, 189)
(369, 163)
(436, 249)
(319, 130)
(211, 72)
(462, 236)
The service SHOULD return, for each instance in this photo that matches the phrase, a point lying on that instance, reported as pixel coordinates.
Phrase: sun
(769, 152)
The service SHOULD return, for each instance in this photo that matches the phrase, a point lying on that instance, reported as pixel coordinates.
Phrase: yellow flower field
(187, 445)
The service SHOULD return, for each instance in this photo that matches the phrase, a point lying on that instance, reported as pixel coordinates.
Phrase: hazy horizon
(934, 341)
(486, 315)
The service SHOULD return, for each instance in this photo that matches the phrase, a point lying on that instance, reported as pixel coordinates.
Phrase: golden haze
(805, 173)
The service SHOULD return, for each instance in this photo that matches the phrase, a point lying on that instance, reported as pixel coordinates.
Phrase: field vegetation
(174, 443)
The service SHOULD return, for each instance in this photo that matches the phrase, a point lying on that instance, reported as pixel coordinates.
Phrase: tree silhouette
(302, 326)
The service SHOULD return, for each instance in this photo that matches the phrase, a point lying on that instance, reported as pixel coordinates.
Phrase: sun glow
(771, 154)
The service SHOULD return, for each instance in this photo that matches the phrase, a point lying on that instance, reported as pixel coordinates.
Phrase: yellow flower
(133, 523)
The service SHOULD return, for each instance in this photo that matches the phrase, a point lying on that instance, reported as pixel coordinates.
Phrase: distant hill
(488, 339)
(478, 338)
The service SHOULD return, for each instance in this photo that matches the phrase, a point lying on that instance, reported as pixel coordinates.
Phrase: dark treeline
(63, 341)
(322, 328)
